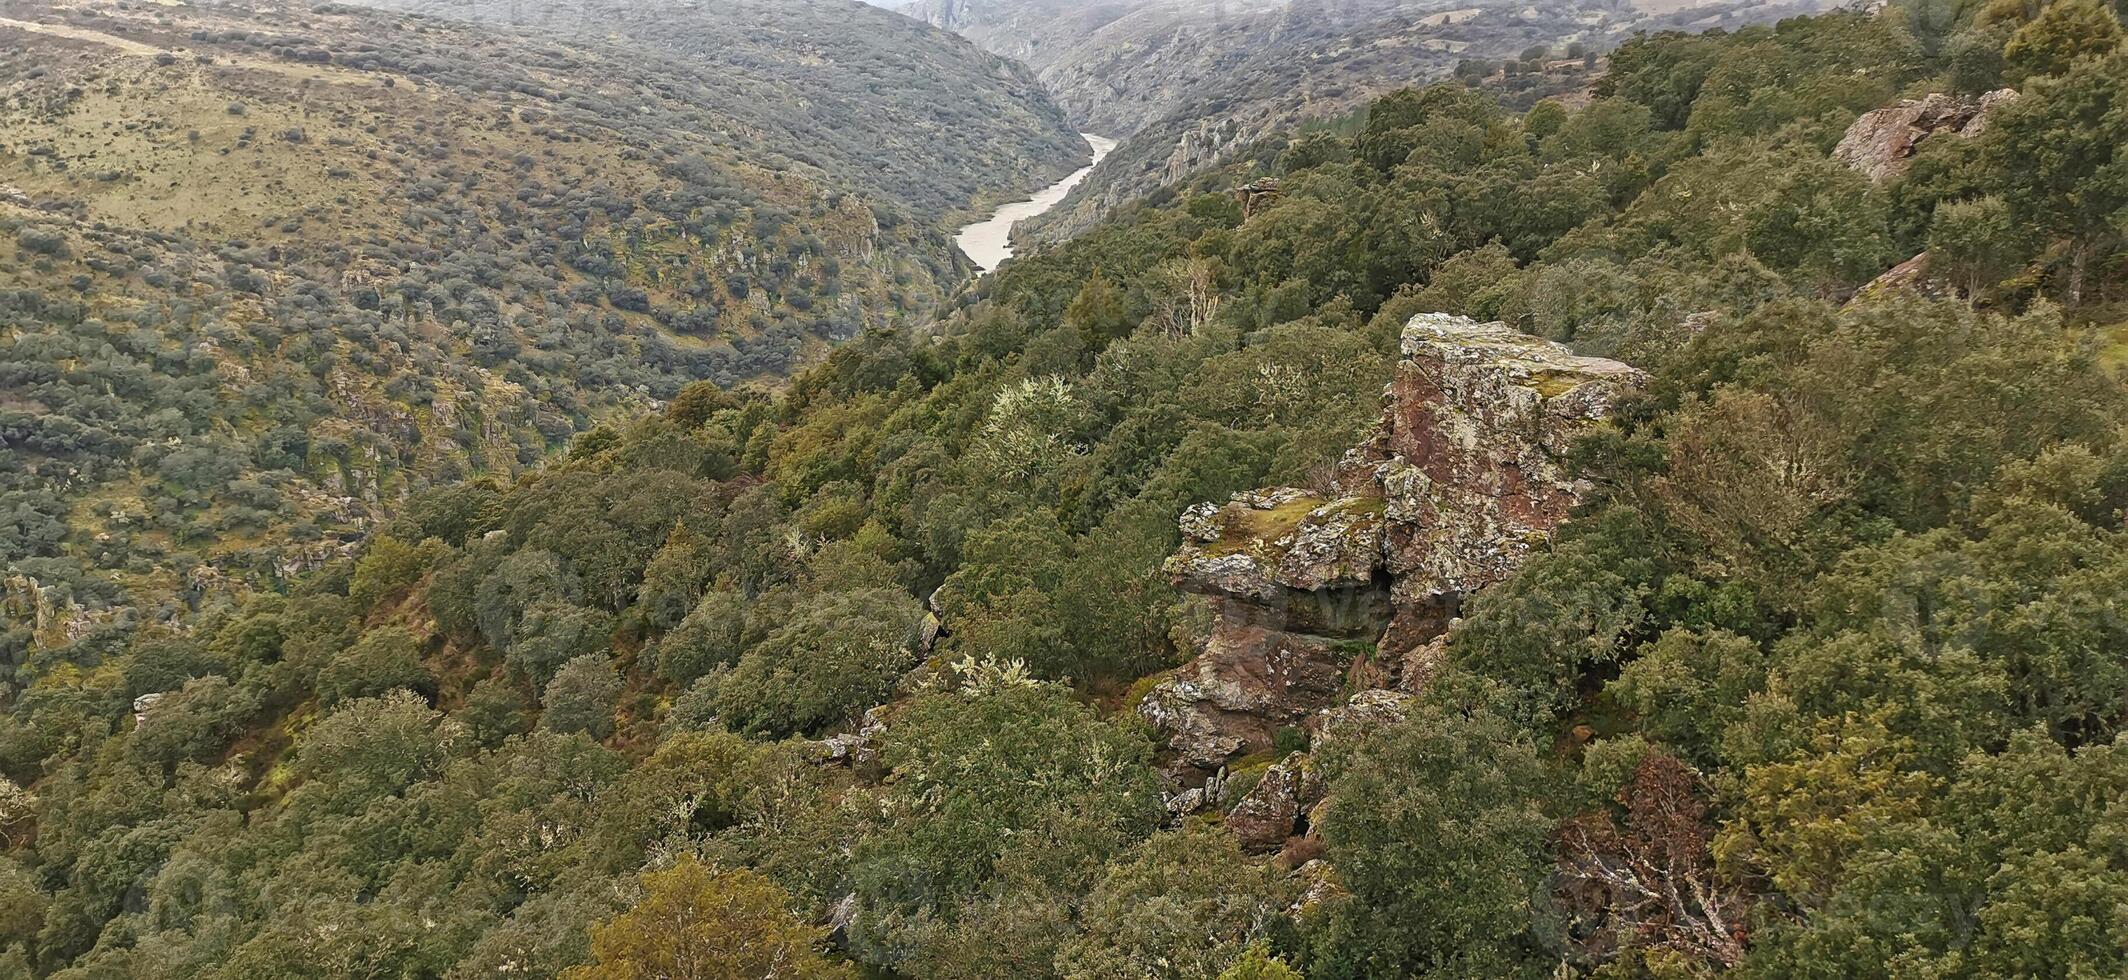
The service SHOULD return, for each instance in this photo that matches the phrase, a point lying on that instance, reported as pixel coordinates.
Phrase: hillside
(1672, 535)
(265, 272)
(1188, 84)
(881, 104)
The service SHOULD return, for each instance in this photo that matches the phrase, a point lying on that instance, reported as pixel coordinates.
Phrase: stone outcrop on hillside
(1470, 457)
(1293, 577)
(1916, 276)
(1314, 593)
(1882, 143)
(1289, 797)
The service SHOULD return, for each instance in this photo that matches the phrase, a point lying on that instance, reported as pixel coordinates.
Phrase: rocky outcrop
(1882, 143)
(1247, 682)
(50, 613)
(1277, 805)
(1914, 276)
(1293, 579)
(1314, 593)
(1257, 194)
(1287, 800)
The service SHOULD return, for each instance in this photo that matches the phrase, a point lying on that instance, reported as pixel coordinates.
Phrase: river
(989, 242)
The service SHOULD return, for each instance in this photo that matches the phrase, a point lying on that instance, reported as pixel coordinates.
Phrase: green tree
(1976, 241)
(1257, 963)
(1688, 688)
(673, 580)
(2057, 152)
(373, 747)
(838, 655)
(2065, 32)
(22, 902)
(1663, 72)
(1437, 825)
(696, 924)
(495, 709)
(1007, 796)
(516, 584)
(1976, 62)
(712, 635)
(193, 722)
(1099, 312)
(581, 697)
(384, 659)
(389, 567)
(1182, 904)
(552, 633)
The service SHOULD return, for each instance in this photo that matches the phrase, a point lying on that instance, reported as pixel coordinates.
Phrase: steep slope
(1187, 84)
(884, 105)
(265, 270)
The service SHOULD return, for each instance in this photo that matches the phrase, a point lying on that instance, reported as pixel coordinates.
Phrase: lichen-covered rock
(1465, 475)
(1882, 143)
(1319, 884)
(1273, 809)
(1246, 683)
(144, 704)
(1196, 799)
(1471, 456)
(1267, 542)
(1365, 712)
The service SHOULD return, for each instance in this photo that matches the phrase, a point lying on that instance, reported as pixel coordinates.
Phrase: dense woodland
(1832, 660)
(265, 271)
(1187, 85)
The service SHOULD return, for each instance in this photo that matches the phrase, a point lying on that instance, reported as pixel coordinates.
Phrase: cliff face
(1317, 593)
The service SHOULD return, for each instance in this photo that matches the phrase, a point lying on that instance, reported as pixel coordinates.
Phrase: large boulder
(1274, 809)
(1246, 682)
(1314, 592)
(1470, 459)
(1882, 143)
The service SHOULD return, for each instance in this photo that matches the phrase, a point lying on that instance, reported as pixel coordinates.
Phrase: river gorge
(989, 242)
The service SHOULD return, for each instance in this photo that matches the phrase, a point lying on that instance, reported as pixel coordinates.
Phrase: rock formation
(1317, 593)
(1916, 275)
(1289, 796)
(1882, 143)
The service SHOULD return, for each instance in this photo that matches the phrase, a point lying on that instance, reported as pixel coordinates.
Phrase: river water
(989, 242)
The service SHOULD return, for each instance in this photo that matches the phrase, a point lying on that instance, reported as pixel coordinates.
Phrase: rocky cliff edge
(1317, 593)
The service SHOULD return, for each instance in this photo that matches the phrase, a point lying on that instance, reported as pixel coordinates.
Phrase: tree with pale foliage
(1257, 963)
(17, 805)
(694, 923)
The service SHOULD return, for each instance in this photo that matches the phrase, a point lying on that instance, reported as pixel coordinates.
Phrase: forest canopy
(1824, 677)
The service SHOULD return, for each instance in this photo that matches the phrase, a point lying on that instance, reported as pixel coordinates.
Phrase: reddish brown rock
(1246, 683)
(1465, 475)
(1471, 456)
(1883, 142)
(1271, 811)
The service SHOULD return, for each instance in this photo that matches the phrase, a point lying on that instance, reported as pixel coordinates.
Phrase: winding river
(989, 242)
